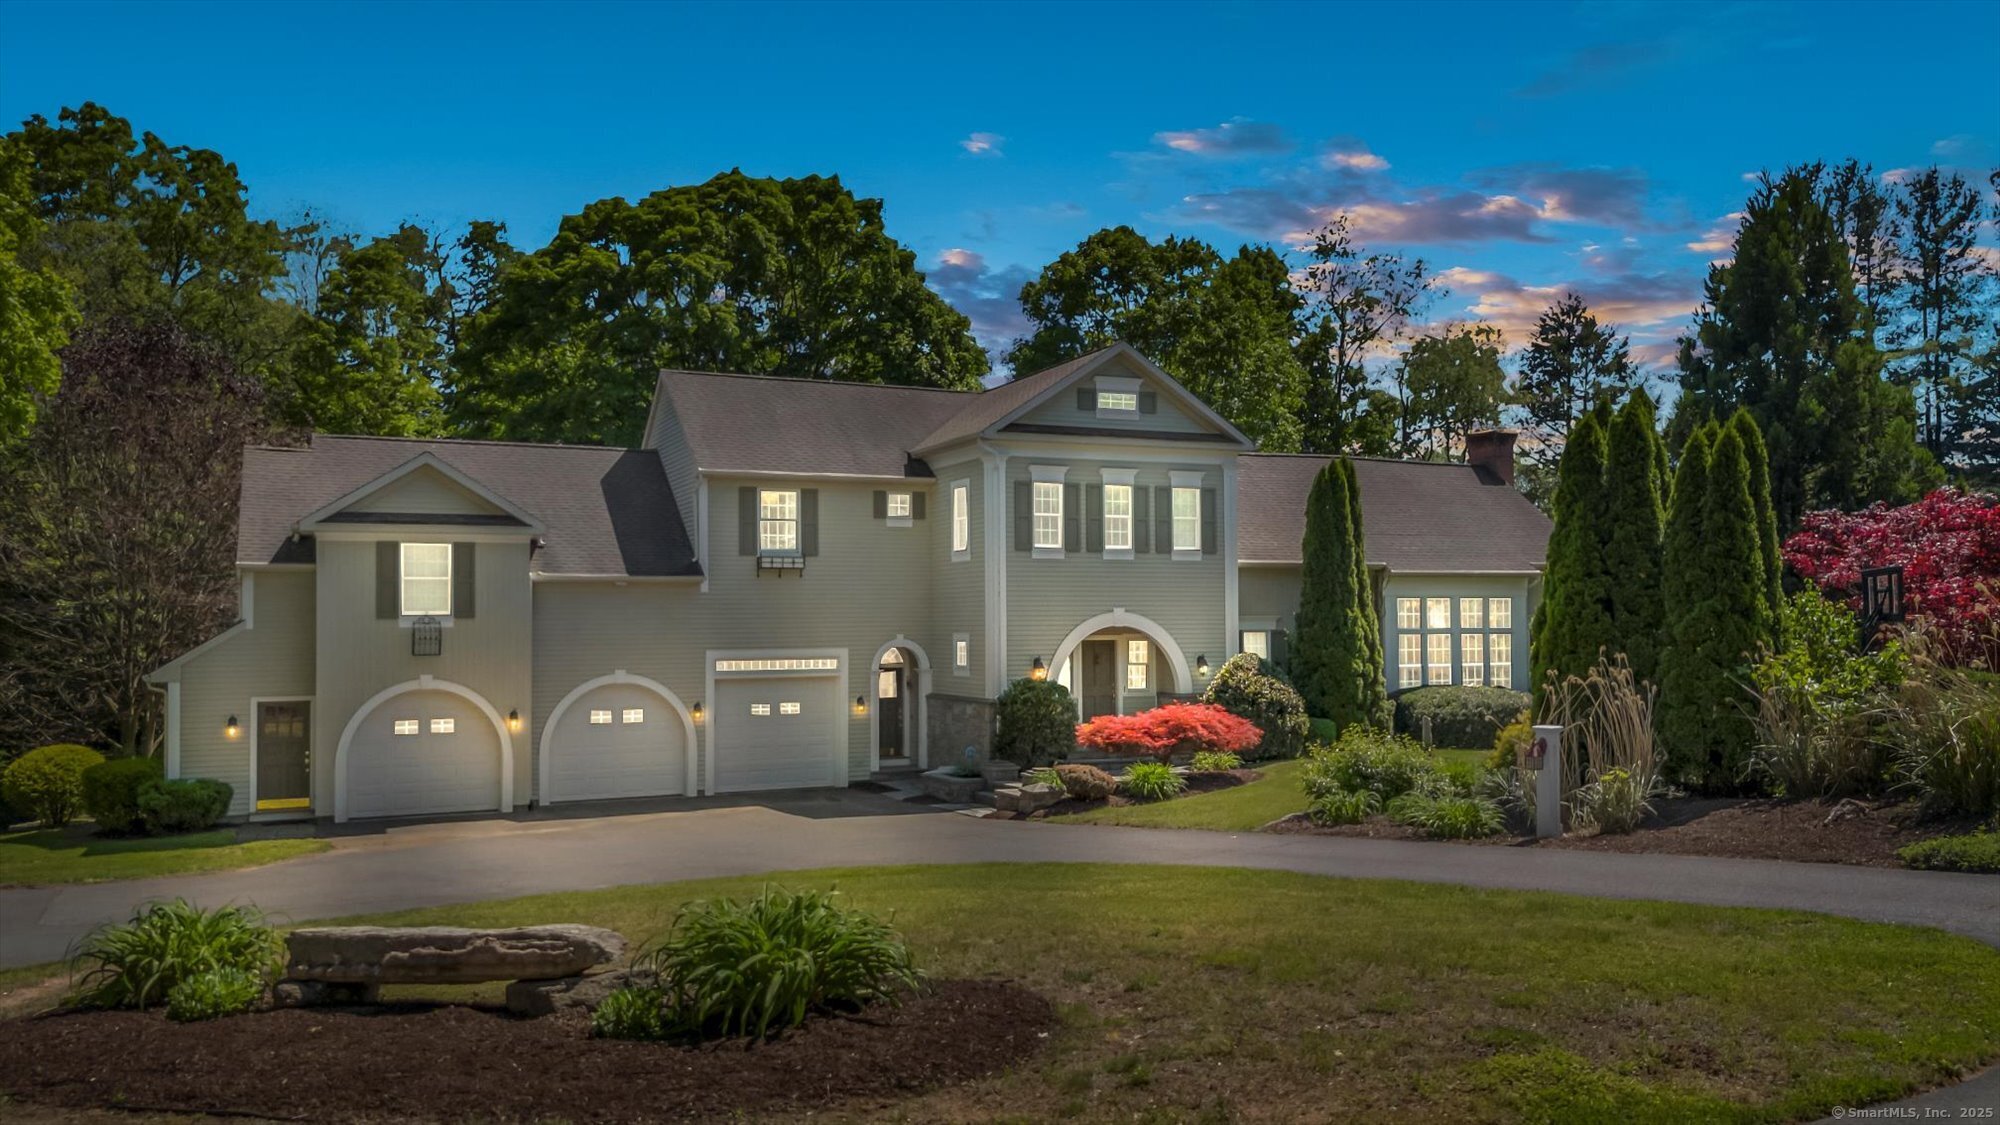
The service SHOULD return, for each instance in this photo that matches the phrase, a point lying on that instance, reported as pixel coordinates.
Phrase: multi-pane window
(1438, 665)
(633, 715)
(961, 518)
(1500, 613)
(1257, 642)
(426, 579)
(1117, 400)
(1437, 613)
(1048, 515)
(1472, 658)
(778, 521)
(1500, 653)
(1117, 517)
(1138, 658)
(1409, 660)
(961, 654)
(600, 718)
(760, 708)
(407, 726)
(1410, 614)
(1187, 519)
(1472, 613)
(444, 726)
(788, 708)
(899, 505)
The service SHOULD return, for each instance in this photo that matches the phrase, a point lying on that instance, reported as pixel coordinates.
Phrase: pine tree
(1372, 663)
(1680, 713)
(1635, 521)
(1576, 596)
(1326, 655)
(1759, 462)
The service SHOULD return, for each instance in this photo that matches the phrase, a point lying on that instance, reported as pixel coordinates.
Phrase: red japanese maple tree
(1164, 731)
(1948, 545)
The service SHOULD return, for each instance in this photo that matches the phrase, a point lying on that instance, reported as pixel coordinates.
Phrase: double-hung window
(1472, 613)
(1439, 663)
(1117, 517)
(1409, 660)
(1187, 519)
(1500, 654)
(1472, 658)
(778, 521)
(426, 579)
(1409, 614)
(961, 519)
(1257, 642)
(1138, 661)
(1048, 515)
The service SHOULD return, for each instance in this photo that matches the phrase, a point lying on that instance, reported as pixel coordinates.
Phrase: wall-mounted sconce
(1201, 665)
(695, 711)
(861, 705)
(230, 729)
(514, 721)
(1038, 670)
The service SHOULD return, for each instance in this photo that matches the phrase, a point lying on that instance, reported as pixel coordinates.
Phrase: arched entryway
(902, 678)
(1117, 663)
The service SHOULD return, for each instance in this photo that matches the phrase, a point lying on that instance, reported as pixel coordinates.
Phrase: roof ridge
(818, 382)
(1364, 457)
(564, 445)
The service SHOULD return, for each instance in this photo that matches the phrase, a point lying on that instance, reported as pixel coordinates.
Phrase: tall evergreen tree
(1576, 608)
(1680, 713)
(1942, 308)
(1372, 662)
(1570, 364)
(1758, 461)
(1327, 654)
(1635, 518)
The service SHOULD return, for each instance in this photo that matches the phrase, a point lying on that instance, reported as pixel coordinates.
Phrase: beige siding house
(792, 584)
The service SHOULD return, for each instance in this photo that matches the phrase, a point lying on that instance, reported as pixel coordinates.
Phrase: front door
(1100, 678)
(284, 756)
(889, 696)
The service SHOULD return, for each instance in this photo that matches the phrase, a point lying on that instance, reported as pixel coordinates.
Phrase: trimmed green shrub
(213, 994)
(1368, 759)
(1512, 741)
(1037, 723)
(1152, 781)
(1211, 761)
(47, 783)
(111, 792)
(1247, 687)
(184, 804)
(1323, 730)
(1447, 818)
(1461, 717)
(751, 968)
(1341, 807)
(1976, 852)
(631, 1013)
(136, 964)
(1336, 657)
(1086, 783)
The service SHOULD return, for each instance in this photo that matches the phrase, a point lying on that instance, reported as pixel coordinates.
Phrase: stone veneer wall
(956, 722)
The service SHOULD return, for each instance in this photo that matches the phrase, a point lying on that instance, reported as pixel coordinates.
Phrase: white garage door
(423, 752)
(619, 740)
(777, 733)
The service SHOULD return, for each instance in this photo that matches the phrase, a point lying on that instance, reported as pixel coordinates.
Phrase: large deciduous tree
(1221, 326)
(791, 277)
(374, 355)
(1331, 651)
(117, 532)
(1572, 362)
(1453, 384)
(35, 310)
(1356, 304)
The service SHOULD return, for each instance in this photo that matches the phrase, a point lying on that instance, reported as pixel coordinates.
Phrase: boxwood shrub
(1248, 687)
(1461, 717)
(47, 783)
(111, 792)
(184, 804)
(1037, 723)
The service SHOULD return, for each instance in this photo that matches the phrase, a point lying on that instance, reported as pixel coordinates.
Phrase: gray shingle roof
(758, 423)
(1416, 516)
(987, 407)
(607, 511)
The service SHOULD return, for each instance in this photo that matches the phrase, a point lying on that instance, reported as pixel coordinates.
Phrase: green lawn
(1219, 994)
(1242, 809)
(72, 855)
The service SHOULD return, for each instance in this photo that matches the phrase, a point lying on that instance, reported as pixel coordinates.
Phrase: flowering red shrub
(1164, 731)
(1948, 545)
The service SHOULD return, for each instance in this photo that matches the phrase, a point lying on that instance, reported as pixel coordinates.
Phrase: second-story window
(426, 579)
(899, 505)
(778, 521)
(1117, 517)
(1187, 519)
(1118, 400)
(1048, 515)
(961, 518)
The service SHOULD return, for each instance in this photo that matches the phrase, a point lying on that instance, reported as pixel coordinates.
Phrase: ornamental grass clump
(1945, 723)
(1341, 807)
(139, 963)
(1613, 804)
(1447, 817)
(758, 967)
(1152, 781)
(1211, 761)
(632, 1012)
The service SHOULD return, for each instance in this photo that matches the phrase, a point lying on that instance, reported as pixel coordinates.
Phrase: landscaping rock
(319, 994)
(947, 786)
(999, 771)
(1025, 799)
(447, 954)
(547, 997)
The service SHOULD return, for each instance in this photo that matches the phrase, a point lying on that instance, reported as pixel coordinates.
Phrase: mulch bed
(1207, 782)
(1865, 834)
(448, 1062)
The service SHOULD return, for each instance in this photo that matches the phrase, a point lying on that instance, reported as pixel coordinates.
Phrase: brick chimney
(1493, 451)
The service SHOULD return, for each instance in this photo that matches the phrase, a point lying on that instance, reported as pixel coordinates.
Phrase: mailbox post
(1545, 757)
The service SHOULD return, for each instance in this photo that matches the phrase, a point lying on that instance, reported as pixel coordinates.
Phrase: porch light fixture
(514, 721)
(230, 729)
(1038, 670)
(1201, 665)
(695, 711)
(860, 704)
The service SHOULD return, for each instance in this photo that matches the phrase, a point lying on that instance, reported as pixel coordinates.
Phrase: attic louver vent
(426, 637)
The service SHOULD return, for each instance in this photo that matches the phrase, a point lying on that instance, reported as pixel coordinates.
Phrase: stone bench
(349, 964)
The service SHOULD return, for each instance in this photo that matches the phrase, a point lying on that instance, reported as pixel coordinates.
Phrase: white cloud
(1361, 161)
(1237, 137)
(1719, 238)
(983, 144)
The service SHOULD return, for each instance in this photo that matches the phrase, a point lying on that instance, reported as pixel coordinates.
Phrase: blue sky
(1519, 148)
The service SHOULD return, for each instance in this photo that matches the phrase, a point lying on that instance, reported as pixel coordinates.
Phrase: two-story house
(792, 584)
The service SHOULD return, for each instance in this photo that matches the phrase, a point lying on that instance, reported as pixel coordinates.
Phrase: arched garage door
(618, 740)
(422, 753)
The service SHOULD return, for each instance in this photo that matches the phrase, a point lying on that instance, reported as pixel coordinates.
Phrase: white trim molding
(841, 737)
(422, 683)
(1119, 618)
(1128, 478)
(915, 718)
(621, 676)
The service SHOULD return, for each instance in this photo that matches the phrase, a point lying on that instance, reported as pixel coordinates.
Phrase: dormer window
(1126, 401)
(1114, 398)
(426, 579)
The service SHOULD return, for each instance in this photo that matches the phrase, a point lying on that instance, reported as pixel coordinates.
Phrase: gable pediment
(423, 491)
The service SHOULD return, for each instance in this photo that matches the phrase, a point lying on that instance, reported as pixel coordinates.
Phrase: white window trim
(1145, 667)
(403, 582)
(1409, 674)
(1493, 619)
(961, 521)
(1127, 478)
(1116, 385)
(1471, 672)
(909, 506)
(1497, 665)
(1474, 621)
(1416, 612)
(798, 534)
(1040, 475)
(1179, 480)
(1432, 664)
(961, 646)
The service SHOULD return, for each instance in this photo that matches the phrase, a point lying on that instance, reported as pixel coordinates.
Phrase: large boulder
(446, 954)
(547, 997)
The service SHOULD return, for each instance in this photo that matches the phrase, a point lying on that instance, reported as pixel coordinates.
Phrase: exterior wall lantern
(861, 705)
(230, 729)
(1201, 665)
(1038, 670)
(694, 712)
(514, 721)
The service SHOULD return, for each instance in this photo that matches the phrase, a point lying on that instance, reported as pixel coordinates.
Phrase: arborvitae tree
(1635, 519)
(1374, 685)
(1681, 713)
(1759, 462)
(1327, 660)
(1577, 593)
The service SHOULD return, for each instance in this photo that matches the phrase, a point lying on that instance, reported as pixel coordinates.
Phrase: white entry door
(778, 733)
(422, 753)
(619, 740)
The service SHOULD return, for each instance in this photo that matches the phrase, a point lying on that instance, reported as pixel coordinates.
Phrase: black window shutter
(746, 521)
(388, 579)
(1073, 518)
(916, 505)
(1149, 402)
(1163, 521)
(881, 504)
(1093, 515)
(1279, 647)
(809, 522)
(464, 579)
(1142, 520)
(1024, 516)
(1210, 542)
(1086, 399)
